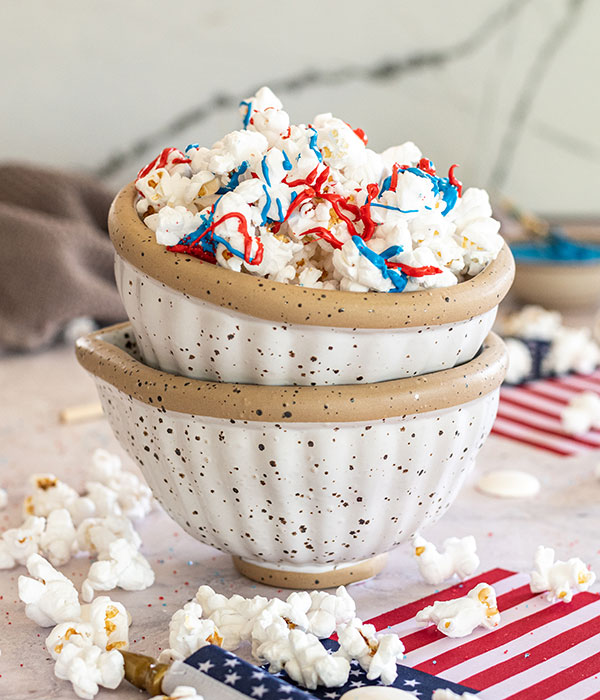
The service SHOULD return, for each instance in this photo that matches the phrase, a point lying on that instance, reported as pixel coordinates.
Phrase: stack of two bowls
(305, 432)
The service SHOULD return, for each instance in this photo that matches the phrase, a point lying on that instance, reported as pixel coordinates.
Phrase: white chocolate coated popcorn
(458, 557)
(49, 596)
(273, 199)
(460, 616)
(560, 579)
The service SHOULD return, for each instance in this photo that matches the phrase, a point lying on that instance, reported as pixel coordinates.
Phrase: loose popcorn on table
(121, 566)
(88, 667)
(18, 544)
(581, 413)
(533, 323)
(327, 611)
(134, 498)
(460, 616)
(95, 535)
(458, 557)
(110, 622)
(446, 694)
(58, 539)
(560, 579)
(311, 205)
(188, 632)
(377, 654)
(49, 597)
(181, 692)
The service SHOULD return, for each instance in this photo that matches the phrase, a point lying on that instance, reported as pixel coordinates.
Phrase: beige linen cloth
(56, 257)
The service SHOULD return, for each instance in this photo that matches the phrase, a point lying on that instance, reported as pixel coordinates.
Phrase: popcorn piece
(181, 692)
(445, 694)
(3, 499)
(457, 558)
(95, 535)
(303, 658)
(460, 616)
(572, 350)
(73, 632)
(109, 621)
(133, 496)
(520, 362)
(49, 494)
(533, 323)
(188, 632)
(57, 540)
(581, 413)
(561, 579)
(49, 597)
(377, 655)
(122, 566)
(88, 667)
(18, 544)
(328, 611)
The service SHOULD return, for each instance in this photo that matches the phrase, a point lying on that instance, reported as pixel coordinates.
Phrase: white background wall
(506, 88)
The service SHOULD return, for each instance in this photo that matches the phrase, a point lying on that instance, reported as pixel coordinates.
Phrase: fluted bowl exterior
(295, 491)
(202, 321)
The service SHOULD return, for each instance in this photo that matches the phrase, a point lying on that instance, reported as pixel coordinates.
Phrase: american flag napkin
(530, 414)
(539, 651)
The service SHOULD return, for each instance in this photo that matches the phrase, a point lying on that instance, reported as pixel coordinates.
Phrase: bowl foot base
(286, 576)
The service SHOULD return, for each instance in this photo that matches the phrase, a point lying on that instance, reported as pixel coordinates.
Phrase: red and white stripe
(530, 414)
(540, 650)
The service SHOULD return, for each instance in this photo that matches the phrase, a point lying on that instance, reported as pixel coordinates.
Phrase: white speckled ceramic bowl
(203, 321)
(305, 486)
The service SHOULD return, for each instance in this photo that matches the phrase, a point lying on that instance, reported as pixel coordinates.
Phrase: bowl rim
(103, 354)
(278, 302)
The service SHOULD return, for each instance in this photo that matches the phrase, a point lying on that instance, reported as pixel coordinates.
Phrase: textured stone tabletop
(34, 388)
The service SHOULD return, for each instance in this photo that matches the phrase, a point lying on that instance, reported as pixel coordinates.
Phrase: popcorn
(572, 350)
(533, 323)
(18, 544)
(457, 558)
(49, 494)
(181, 692)
(105, 500)
(581, 413)
(95, 535)
(377, 655)
(303, 658)
(328, 611)
(109, 621)
(445, 694)
(520, 362)
(122, 566)
(57, 540)
(188, 632)
(561, 579)
(49, 597)
(74, 632)
(275, 199)
(134, 498)
(460, 616)
(88, 667)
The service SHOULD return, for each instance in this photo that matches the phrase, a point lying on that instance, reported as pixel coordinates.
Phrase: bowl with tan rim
(304, 486)
(203, 321)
